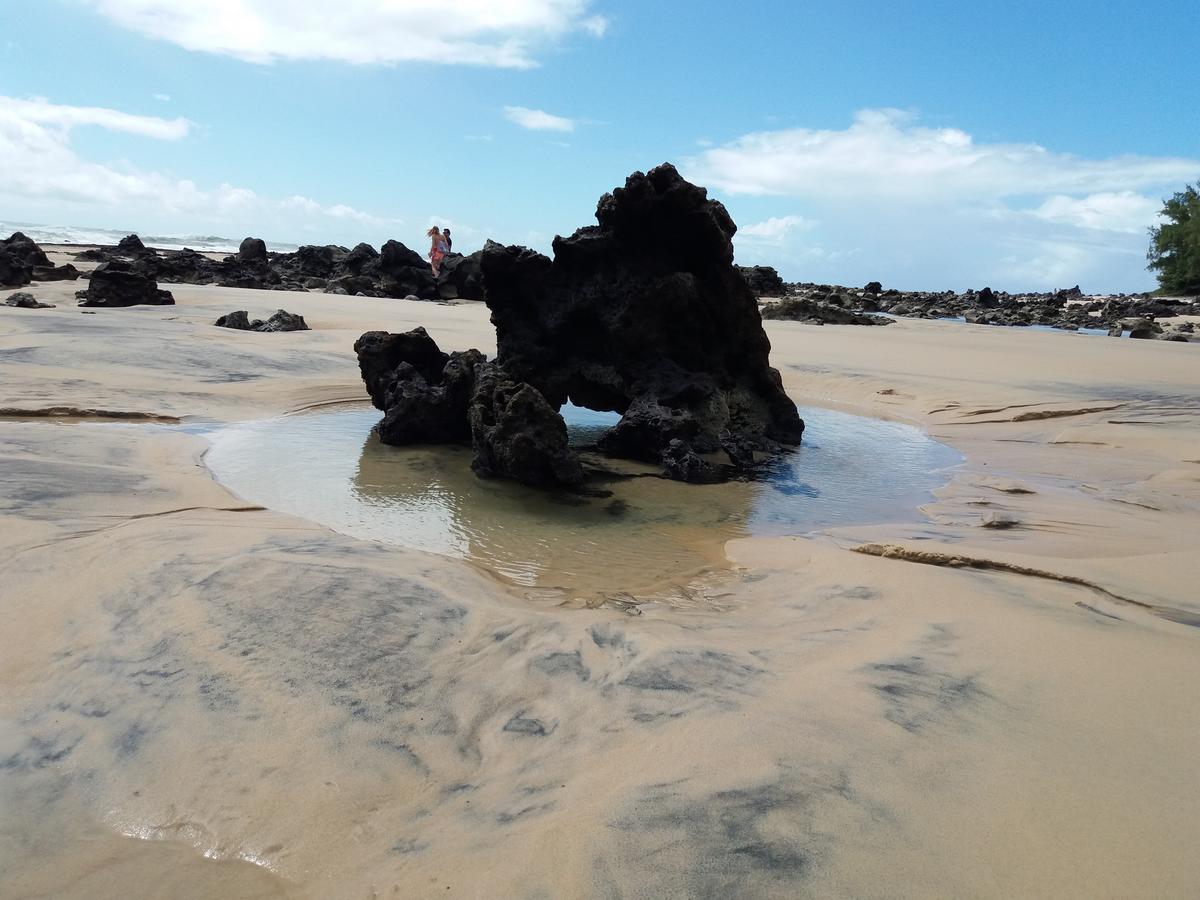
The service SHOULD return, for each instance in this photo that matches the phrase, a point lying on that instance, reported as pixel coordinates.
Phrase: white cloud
(40, 113)
(473, 32)
(884, 154)
(41, 170)
(776, 228)
(932, 207)
(165, 98)
(1124, 211)
(537, 120)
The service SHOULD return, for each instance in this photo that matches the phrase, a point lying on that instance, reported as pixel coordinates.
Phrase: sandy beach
(995, 698)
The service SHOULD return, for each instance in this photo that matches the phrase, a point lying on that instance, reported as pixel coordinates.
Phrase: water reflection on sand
(330, 467)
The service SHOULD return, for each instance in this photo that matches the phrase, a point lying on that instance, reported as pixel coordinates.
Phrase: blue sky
(926, 145)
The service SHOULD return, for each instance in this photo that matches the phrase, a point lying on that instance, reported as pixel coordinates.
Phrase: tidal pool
(330, 467)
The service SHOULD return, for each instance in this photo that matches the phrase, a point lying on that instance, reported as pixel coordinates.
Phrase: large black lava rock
(120, 283)
(19, 257)
(764, 281)
(252, 250)
(431, 397)
(132, 245)
(516, 434)
(644, 314)
(461, 277)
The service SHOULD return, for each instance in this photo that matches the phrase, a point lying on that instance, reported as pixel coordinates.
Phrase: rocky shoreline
(129, 273)
(1135, 315)
(665, 332)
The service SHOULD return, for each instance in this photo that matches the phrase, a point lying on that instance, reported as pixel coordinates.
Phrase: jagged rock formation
(644, 314)
(281, 320)
(461, 277)
(516, 434)
(121, 283)
(431, 397)
(764, 281)
(23, 261)
(423, 392)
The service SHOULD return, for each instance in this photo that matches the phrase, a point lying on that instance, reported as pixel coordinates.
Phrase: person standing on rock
(437, 249)
(449, 243)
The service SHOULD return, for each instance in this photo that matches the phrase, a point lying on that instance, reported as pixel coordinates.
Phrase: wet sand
(206, 699)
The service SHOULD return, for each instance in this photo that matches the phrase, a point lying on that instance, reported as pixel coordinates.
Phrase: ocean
(73, 234)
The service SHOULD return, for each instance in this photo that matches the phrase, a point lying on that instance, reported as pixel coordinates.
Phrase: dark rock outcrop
(1068, 309)
(65, 272)
(431, 397)
(423, 392)
(19, 257)
(132, 246)
(461, 277)
(763, 281)
(252, 250)
(120, 283)
(816, 312)
(516, 434)
(646, 315)
(281, 320)
(24, 300)
(396, 271)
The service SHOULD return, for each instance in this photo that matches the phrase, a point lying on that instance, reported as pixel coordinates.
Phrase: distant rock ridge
(1068, 309)
(393, 271)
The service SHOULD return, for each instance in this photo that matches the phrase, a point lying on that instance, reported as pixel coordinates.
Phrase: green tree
(1174, 252)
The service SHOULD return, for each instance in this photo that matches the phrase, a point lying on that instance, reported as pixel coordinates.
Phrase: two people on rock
(439, 246)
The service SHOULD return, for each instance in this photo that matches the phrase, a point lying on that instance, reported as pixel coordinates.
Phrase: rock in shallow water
(515, 433)
(644, 314)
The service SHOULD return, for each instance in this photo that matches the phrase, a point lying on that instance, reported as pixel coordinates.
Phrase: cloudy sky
(924, 144)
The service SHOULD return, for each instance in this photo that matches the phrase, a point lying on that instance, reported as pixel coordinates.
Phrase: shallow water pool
(330, 467)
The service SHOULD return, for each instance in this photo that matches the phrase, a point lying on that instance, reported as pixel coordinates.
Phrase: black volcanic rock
(19, 258)
(24, 300)
(764, 281)
(239, 320)
(646, 315)
(360, 258)
(131, 245)
(402, 272)
(120, 283)
(65, 272)
(461, 277)
(281, 320)
(394, 255)
(516, 434)
(423, 392)
(252, 250)
(430, 397)
(801, 309)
